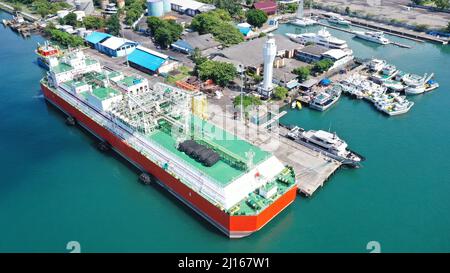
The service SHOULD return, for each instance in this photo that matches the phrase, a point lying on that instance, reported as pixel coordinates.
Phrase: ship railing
(196, 179)
(157, 153)
(200, 181)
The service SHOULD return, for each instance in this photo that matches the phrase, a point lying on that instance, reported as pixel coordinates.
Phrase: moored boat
(325, 100)
(326, 143)
(372, 36)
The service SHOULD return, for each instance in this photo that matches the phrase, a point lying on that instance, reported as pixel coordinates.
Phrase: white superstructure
(322, 38)
(373, 36)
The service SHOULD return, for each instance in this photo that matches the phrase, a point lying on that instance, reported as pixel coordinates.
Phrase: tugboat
(45, 52)
(327, 143)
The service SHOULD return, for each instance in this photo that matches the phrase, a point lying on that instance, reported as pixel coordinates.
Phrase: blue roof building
(245, 29)
(150, 61)
(96, 37)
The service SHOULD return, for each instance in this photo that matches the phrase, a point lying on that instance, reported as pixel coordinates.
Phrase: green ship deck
(222, 172)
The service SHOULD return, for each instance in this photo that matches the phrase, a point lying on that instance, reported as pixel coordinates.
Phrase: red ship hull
(232, 226)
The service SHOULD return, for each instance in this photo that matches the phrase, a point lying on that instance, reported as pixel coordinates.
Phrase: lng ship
(231, 183)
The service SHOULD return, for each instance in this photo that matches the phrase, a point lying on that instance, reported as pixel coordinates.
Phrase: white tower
(270, 52)
(300, 10)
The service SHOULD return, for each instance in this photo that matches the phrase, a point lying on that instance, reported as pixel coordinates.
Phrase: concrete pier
(312, 168)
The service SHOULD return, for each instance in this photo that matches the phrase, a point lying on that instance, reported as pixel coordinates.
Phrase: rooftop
(61, 67)
(266, 5)
(189, 4)
(115, 42)
(202, 42)
(335, 54)
(250, 53)
(103, 93)
(130, 81)
(314, 50)
(146, 58)
(96, 37)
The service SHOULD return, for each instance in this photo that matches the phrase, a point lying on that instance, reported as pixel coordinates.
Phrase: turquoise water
(56, 187)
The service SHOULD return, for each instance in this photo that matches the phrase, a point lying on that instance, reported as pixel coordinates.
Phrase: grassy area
(183, 72)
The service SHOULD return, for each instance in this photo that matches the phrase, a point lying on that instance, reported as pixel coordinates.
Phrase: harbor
(394, 147)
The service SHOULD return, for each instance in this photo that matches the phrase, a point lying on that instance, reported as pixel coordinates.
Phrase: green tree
(448, 27)
(302, 73)
(218, 23)
(322, 65)
(256, 17)
(220, 72)
(442, 4)
(165, 32)
(197, 57)
(70, 19)
(206, 22)
(93, 22)
(280, 93)
(232, 6)
(228, 34)
(62, 37)
(113, 25)
(133, 10)
(153, 23)
(163, 37)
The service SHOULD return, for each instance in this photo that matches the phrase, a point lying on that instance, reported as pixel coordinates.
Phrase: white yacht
(304, 22)
(326, 99)
(337, 19)
(326, 143)
(376, 65)
(373, 36)
(322, 38)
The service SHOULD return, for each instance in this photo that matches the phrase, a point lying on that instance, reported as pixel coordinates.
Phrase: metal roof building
(150, 61)
(194, 40)
(268, 6)
(250, 54)
(116, 47)
(96, 37)
(190, 7)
